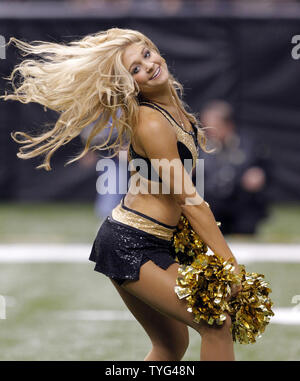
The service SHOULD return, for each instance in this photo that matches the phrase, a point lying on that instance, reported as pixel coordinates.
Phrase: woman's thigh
(155, 288)
(162, 330)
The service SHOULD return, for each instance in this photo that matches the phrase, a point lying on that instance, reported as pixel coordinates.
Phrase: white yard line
(244, 252)
(95, 315)
(44, 252)
(266, 252)
(286, 316)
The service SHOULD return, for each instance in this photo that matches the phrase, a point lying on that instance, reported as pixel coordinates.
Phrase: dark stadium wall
(246, 61)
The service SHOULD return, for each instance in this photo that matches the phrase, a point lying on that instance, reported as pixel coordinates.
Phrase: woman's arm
(158, 139)
(203, 222)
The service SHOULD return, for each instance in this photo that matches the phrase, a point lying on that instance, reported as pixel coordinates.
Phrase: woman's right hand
(235, 289)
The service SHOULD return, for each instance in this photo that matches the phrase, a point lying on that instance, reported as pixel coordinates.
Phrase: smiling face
(146, 66)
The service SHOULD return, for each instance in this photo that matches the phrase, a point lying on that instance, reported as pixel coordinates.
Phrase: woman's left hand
(235, 289)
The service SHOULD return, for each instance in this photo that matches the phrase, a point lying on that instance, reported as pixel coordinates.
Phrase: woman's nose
(149, 67)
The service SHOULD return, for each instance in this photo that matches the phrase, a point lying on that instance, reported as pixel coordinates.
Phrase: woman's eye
(134, 70)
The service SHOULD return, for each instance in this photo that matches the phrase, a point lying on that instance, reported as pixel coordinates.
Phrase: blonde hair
(83, 81)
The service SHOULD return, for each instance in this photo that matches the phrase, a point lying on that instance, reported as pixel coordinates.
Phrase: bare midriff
(161, 206)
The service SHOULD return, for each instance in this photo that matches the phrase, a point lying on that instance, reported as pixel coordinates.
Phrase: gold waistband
(139, 222)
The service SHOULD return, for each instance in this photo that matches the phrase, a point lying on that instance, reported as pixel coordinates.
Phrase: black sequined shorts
(126, 240)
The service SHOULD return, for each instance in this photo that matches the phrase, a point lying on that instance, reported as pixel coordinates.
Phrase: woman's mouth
(156, 74)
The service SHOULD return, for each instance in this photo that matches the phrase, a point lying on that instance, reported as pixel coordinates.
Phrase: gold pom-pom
(251, 308)
(205, 281)
(186, 242)
(206, 285)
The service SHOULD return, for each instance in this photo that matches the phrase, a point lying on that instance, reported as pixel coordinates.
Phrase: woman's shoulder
(152, 125)
(149, 117)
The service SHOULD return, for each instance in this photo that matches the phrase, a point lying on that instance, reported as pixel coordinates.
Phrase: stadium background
(238, 51)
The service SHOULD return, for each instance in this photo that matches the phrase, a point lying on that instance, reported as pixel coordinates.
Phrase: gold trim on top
(182, 135)
(129, 218)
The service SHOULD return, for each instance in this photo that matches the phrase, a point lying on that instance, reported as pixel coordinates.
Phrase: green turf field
(35, 330)
(77, 223)
(38, 294)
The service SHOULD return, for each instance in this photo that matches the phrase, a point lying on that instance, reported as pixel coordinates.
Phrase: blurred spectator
(236, 174)
(171, 6)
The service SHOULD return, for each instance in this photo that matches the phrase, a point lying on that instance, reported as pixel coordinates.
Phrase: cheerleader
(120, 74)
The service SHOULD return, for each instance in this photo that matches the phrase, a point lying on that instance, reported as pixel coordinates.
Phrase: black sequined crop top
(187, 145)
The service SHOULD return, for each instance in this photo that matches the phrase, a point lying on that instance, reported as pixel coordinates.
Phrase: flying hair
(85, 82)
